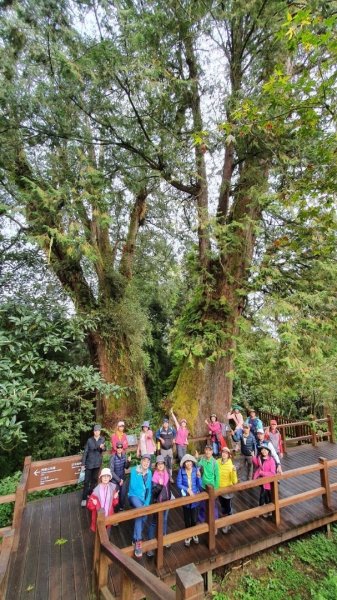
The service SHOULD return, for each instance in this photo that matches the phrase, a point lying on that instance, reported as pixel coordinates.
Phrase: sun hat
(146, 424)
(148, 456)
(260, 430)
(187, 457)
(226, 449)
(209, 446)
(213, 415)
(183, 421)
(120, 424)
(165, 420)
(246, 426)
(105, 471)
(160, 459)
(119, 445)
(97, 427)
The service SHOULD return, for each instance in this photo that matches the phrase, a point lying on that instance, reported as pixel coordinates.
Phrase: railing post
(275, 499)
(20, 500)
(189, 583)
(313, 437)
(126, 587)
(97, 552)
(100, 573)
(325, 482)
(210, 517)
(160, 549)
(330, 429)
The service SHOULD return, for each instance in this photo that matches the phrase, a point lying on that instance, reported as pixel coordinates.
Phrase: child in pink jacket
(265, 466)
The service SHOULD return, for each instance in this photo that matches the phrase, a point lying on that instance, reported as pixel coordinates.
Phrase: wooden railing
(10, 534)
(301, 431)
(211, 524)
(189, 583)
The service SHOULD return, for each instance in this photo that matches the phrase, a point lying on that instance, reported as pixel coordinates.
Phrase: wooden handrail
(324, 490)
(11, 537)
(153, 587)
(6, 549)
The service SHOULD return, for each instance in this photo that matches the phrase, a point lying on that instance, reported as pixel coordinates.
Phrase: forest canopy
(168, 218)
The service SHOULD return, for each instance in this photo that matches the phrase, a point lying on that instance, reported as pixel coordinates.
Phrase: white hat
(105, 472)
(260, 431)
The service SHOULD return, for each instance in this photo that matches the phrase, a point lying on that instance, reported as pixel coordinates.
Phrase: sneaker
(187, 542)
(150, 553)
(195, 539)
(138, 550)
(226, 529)
(83, 503)
(167, 545)
(265, 516)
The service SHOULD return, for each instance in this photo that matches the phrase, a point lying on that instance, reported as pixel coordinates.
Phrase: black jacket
(92, 457)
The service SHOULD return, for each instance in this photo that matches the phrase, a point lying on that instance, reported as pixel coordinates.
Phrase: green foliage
(317, 551)
(302, 569)
(47, 387)
(327, 589)
(8, 485)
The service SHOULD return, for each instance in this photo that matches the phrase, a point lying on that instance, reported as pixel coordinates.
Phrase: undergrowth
(304, 569)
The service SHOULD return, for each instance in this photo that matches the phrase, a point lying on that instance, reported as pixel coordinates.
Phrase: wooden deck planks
(18, 559)
(29, 583)
(55, 587)
(43, 555)
(82, 541)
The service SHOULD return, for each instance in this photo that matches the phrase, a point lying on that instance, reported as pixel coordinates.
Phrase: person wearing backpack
(209, 469)
(248, 450)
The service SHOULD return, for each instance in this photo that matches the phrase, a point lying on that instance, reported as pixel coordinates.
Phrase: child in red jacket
(105, 495)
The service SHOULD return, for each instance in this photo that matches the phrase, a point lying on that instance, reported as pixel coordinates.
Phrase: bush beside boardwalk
(304, 569)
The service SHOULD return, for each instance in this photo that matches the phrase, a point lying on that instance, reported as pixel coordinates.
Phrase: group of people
(261, 451)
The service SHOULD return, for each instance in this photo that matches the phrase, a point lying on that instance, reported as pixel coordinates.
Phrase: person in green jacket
(210, 475)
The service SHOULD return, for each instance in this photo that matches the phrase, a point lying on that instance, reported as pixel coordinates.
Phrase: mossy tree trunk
(81, 253)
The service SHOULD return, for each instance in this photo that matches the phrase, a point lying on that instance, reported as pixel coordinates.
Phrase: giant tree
(204, 103)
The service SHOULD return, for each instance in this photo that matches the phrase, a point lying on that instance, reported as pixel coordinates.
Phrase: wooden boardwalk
(43, 568)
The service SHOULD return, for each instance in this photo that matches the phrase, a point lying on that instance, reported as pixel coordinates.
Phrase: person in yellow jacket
(228, 476)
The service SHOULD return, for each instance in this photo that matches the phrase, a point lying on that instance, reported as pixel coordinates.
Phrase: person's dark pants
(122, 495)
(226, 505)
(190, 515)
(90, 481)
(265, 496)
